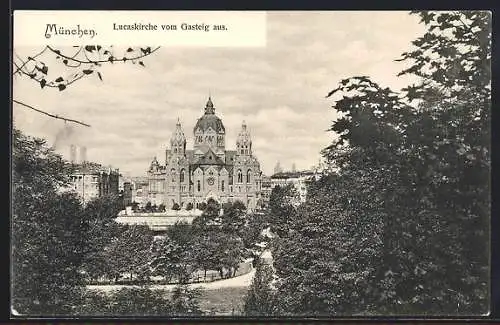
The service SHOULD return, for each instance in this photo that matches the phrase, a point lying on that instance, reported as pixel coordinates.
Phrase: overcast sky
(279, 90)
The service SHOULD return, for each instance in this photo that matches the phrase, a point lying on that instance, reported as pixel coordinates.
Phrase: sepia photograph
(270, 164)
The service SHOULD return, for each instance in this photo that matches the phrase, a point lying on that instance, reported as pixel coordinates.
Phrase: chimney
(72, 153)
(83, 154)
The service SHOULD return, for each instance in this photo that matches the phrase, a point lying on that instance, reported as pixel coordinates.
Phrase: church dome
(209, 119)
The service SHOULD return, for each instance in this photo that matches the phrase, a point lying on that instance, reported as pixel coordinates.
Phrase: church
(208, 170)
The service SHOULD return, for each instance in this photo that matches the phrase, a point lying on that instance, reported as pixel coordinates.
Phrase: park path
(239, 281)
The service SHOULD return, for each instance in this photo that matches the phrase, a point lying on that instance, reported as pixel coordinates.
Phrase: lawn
(222, 301)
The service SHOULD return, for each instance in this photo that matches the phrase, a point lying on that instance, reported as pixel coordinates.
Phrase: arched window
(248, 175)
(240, 176)
(172, 172)
(222, 186)
(182, 176)
(198, 185)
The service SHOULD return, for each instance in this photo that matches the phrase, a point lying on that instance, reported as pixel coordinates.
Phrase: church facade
(208, 170)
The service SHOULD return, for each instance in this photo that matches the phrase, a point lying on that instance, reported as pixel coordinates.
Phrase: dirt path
(239, 281)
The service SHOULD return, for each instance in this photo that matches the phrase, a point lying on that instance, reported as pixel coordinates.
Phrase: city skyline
(278, 90)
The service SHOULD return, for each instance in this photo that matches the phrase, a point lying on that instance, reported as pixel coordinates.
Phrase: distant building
(277, 168)
(91, 180)
(159, 221)
(77, 154)
(299, 180)
(266, 191)
(127, 193)
(140, 190)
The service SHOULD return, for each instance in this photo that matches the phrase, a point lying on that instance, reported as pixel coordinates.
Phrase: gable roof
(209, 158)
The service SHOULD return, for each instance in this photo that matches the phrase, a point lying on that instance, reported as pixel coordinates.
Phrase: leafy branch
(85, 59)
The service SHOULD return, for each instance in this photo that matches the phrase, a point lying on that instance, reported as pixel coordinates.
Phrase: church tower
(178, 141)
(209, 133)
(244, 141)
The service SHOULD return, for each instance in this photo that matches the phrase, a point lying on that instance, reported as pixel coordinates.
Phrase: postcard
(313, 164)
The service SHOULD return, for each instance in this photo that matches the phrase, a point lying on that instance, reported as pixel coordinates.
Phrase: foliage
(173, 255)
(189, 206)
(161, 208)
(202, 206)
(130, 251)
(100, 213)
(141, 301)
(218, 243)
(209, 219)
(234, 217)
(78, 61)
(176, 206)
(282, 209)
(252, 231)
(185, 301)
(402, 227)
(48, 232)
(261, 298)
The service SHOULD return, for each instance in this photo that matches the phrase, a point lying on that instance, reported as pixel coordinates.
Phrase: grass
(223, 301)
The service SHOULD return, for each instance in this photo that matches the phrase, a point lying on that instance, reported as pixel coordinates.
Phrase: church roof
(209, 119)
(209, 158)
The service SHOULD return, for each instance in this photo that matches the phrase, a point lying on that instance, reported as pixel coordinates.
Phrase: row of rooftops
(88, 167)
(296, 174)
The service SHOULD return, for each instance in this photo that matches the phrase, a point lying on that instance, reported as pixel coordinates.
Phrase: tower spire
(209, 107)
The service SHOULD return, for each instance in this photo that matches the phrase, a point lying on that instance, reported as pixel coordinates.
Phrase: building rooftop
(92, 168)
(297, 174)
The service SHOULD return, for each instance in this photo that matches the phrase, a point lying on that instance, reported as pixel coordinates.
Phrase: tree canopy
(402, 227)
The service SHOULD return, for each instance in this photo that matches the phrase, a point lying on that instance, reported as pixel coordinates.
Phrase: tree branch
(101, 61)
(32, 58)
(48, 114)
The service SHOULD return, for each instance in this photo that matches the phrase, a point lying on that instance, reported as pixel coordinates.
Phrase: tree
(148, 207)
(282, 208)
(217, 247)
(130, 251)
(135, 206)
(395, 230)
(261, 299)
(174, 255)
(230, 249)
(253, 231)
(202, 206)
(185, 301)
(47, 232)
(100, 213)
(162, 207)
(209, 219)
(234, 217)
(176, 206)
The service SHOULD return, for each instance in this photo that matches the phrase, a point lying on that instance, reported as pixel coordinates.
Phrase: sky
(279, 90)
